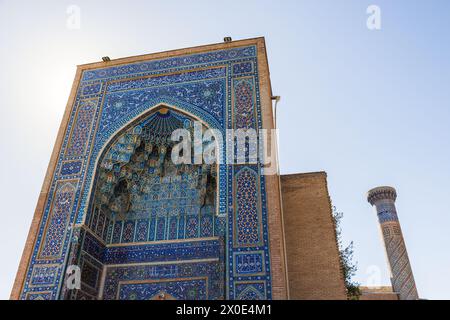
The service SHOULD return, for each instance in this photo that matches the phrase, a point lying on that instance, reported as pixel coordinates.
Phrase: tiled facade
(185, 251)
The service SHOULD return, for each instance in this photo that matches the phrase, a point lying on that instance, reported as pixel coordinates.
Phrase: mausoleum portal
(117, 212)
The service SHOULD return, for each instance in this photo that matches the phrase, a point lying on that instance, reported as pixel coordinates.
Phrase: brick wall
(380, 293)
(312, 255)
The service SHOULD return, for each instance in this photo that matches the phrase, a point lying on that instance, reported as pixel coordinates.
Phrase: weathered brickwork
(378, 293)
(312, 254)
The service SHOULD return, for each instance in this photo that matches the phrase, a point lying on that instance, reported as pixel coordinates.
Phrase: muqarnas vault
(138, 226)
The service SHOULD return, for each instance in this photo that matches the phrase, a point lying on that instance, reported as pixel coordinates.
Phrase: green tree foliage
(349, 267)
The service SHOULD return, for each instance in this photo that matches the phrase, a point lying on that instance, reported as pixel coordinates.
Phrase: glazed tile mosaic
(138, 226)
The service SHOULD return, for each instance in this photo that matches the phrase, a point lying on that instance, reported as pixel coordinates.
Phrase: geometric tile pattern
(44, 275)
(188, 289)
(399, 263)
(383, 198)
(250, 291)
(196, 280)
(242, 68)
(39, 296)
(140, 189)
(386, 213)
(59, 220)
(243, 103)
(90, 275)
(163, 252)
(71, 167)
(219, 87)
(82, 128)
(247, 208)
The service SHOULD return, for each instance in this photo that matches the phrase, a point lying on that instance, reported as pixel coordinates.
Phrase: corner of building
(314, 267)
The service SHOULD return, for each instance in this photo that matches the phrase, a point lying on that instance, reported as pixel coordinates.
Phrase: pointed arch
(107, 139)
(116, 170)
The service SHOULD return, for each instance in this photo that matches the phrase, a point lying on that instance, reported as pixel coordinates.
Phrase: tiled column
(383, 198)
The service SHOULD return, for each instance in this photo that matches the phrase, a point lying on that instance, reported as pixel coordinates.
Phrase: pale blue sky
(369, 107)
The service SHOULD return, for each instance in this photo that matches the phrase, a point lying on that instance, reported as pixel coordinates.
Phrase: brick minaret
(383, 198)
